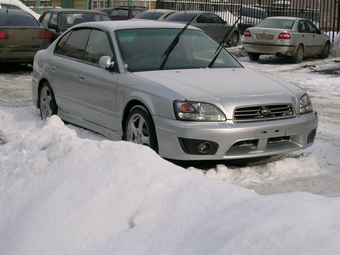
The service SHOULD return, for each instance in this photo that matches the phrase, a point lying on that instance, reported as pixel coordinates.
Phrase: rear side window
(73, 44)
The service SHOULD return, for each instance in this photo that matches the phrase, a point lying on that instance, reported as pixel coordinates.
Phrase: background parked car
(160, 85)
(59, 20)
(21, 36)
(155, 14)
(16, 4)
(210, 22)
(286, 36)
(123, 12)
(250, 16)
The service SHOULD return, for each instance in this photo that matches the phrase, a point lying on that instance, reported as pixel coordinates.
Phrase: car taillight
(45, 34)
(284, 36)
(247, 33)
(3, 35)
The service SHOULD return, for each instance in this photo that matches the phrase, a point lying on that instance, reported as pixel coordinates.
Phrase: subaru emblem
(265, 111)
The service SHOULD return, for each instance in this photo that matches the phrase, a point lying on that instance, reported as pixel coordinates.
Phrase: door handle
(82, 77)
(53, 68)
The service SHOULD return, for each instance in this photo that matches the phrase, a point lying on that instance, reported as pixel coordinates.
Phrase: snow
(66, 190)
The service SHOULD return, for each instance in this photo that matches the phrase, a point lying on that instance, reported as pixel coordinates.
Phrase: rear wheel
(253, 56)
(325, 51)
(298, 56)
(234, 39)
(140, 128)
(47, 103)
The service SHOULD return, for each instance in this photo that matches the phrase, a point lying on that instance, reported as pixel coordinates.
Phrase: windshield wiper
(220, 47)
(174, 42)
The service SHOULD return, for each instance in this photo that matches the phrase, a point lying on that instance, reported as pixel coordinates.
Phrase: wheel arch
(128, 107)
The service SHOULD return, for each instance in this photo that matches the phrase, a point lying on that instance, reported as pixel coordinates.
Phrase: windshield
(277, 23)
(145, 50)
(253, 12)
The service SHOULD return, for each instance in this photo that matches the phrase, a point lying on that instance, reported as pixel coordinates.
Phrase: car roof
(59, 10)
(285, 17)
(160, 10)
(16, 11)
(130, 24)
(129, 7)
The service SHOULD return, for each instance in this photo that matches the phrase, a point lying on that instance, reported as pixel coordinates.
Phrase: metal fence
(324, 13)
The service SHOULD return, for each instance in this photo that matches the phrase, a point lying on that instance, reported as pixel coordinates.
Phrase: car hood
(230, 87)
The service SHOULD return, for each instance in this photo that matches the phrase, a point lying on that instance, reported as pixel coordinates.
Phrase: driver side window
(97, 46)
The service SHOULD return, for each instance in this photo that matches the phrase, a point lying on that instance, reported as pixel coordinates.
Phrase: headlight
(305, 104)
(197, 111)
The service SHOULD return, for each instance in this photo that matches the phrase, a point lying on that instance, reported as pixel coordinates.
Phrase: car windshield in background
(253, 12)
(18, 20)
(70, 19)
(277, 23)
(145, 50)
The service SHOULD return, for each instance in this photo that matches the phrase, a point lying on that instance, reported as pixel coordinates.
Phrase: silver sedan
(172, 88)
(286, 36)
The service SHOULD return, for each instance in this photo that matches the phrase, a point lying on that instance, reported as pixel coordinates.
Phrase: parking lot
(317, 168)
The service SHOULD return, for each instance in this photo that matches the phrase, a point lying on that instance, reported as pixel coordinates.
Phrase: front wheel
(47, 103)
(140, 128)
(325, 51)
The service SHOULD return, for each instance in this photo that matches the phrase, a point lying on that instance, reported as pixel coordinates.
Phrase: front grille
(263, 112)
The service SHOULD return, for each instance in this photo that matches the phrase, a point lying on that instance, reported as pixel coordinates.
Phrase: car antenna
(175, 42)
(220, 47)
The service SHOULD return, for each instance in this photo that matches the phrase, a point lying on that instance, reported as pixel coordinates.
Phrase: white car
(287, 37)
(170, 87)
(16, 4)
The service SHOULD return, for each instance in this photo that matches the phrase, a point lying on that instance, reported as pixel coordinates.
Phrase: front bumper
(236, 140)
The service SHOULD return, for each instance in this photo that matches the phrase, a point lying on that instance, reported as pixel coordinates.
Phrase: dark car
(21, 36)
(210, 22)
(59, 20)
(123, 12)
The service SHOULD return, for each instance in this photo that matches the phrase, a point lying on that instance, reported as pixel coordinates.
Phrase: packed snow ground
(66, 190)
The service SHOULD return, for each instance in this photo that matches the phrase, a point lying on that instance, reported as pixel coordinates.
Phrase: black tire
(140, 128)
(47, 103)
(234, 39)
(253, 56)
(325, 51)
(298, 56)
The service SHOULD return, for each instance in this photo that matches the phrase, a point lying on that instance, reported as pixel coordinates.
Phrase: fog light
(198, 147)
(204, 147)
(311, 136)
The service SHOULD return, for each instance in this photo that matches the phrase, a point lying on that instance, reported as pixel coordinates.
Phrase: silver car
(286, 36)
(172, 88)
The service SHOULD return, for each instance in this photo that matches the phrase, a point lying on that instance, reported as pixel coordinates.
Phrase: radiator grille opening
(263, 112)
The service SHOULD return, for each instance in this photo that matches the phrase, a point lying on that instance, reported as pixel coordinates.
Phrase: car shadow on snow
(232, 164)
(12, 68)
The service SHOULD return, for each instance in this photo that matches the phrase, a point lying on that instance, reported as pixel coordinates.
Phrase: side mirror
(106, 62)
(52, 26)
